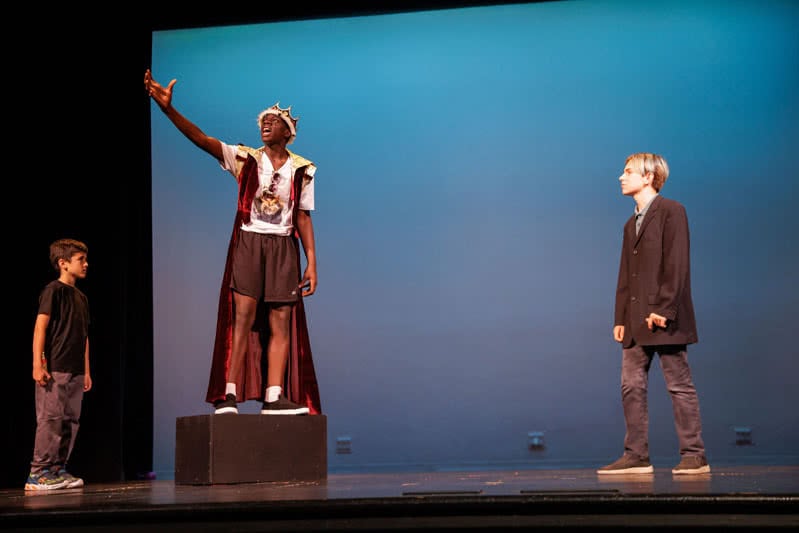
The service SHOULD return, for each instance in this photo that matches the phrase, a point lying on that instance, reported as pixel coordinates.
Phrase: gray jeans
(57, 420)
(635, 365)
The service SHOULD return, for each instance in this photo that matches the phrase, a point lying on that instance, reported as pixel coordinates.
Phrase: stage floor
(742, 497)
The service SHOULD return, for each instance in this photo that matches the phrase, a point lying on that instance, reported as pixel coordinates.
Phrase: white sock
(273, 393)
(230, 388)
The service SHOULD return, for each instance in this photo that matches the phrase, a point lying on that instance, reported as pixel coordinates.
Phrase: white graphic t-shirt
(272, 207)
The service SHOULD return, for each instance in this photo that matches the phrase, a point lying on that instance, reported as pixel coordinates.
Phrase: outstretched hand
(162, 95)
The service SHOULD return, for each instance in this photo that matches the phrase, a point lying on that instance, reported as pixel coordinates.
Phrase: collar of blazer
(647, 217)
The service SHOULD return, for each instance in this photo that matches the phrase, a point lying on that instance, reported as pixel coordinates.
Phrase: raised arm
(163, 97)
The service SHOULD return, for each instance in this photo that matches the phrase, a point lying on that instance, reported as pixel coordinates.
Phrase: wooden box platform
(250, 448)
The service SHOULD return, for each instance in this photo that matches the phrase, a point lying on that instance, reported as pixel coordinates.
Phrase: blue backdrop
(469, 216)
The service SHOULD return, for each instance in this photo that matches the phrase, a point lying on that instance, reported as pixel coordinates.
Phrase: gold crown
(285, 114)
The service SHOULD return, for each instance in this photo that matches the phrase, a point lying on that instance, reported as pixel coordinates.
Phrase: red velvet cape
(299, 383)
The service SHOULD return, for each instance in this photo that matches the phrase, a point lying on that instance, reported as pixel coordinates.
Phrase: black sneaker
(692, 464)
(282, 406)
(627, 464)
(228, 405)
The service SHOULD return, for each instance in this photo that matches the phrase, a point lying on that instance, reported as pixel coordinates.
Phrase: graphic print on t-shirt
(268, 206)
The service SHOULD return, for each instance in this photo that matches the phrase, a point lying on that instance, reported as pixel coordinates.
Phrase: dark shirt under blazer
(655, 277)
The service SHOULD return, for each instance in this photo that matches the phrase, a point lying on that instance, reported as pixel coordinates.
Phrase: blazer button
(635, 252)
(633, 298)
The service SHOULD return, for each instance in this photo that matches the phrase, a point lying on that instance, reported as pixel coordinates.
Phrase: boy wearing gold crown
(261, 299)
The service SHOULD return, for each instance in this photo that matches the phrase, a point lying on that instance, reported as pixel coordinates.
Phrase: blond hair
(645, 162)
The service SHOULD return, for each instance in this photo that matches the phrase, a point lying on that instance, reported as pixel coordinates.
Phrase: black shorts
(266, 267)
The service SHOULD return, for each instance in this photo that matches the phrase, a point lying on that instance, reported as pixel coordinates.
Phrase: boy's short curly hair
(65, 249)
